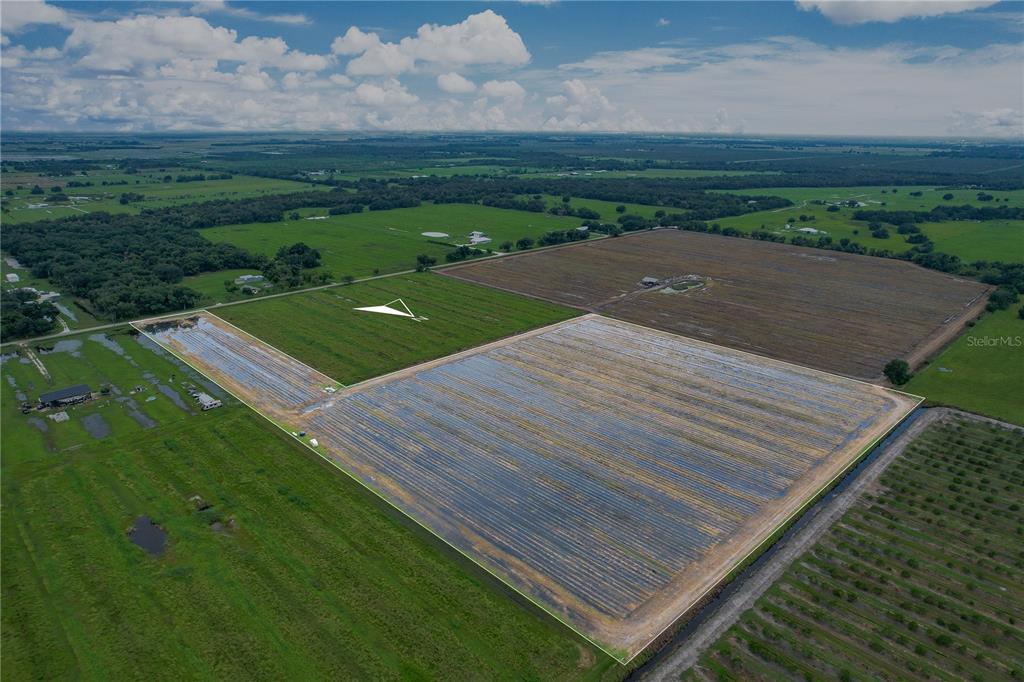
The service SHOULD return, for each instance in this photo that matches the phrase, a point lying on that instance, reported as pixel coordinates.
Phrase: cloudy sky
(809, 67)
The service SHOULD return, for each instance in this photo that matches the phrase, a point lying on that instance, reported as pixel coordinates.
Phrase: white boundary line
(471, 351)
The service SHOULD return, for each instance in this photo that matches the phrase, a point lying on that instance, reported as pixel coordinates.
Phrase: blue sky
(807, 67)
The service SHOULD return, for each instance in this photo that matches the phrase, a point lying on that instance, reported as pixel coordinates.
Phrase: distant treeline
(509, 192)
(941, 214)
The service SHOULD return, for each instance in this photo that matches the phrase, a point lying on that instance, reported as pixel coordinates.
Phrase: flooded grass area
(134, 387)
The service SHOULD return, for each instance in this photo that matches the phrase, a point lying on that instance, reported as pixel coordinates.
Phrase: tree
(348, 279)
(566, 199)
(524, 243)
(948, 196)
(505, 246)
(168, 272)
(1002, 298)
(620, 209)
(36, 189)
(423, 262)
(23, 316)
(897, 371)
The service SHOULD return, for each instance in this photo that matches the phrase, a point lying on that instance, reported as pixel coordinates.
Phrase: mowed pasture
(920, 580)
(607, 209)
(381, 242)
(824, 309)
(323, 329)
(982, 371)
(612, 473)
(292, 572)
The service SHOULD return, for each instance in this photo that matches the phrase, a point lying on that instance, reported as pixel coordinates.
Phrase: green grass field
(982, 371)
(607, 208)
(988, 240)
(389, 241)
(322, 329)
(294, 572)
(158, 194)
(211, 285)
(920, 580)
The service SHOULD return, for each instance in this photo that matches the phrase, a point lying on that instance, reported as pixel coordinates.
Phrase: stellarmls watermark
(995, 341)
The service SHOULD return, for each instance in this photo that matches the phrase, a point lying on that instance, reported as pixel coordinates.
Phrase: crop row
(921, 581)
(592, 463)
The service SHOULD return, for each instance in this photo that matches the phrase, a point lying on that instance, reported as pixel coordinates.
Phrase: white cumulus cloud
(222, 7)
(387, 94)
(507, 90)
(455, 84)
(14, 16)
(483, 38)
(145, 39)
(888, 11)
(354, 42)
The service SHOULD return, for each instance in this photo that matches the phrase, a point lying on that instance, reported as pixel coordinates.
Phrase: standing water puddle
(148, 535)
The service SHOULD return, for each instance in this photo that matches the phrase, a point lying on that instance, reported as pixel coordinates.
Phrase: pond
(148, 535)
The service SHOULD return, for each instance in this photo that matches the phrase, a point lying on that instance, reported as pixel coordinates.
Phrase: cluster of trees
(264, 209)
(506, 192)
(131, 198)
(288, 265)
(22, 316)
(941, 214)
(534, 204)
(200, 177)
(123, 265)
(562, 237)
(565, 209)
(461, 253)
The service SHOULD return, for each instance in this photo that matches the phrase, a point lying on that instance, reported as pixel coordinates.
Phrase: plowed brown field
(829, 310)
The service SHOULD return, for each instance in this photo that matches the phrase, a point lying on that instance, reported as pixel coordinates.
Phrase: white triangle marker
(386, 309)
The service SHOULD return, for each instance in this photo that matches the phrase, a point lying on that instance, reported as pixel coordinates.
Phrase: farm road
(686, 653)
